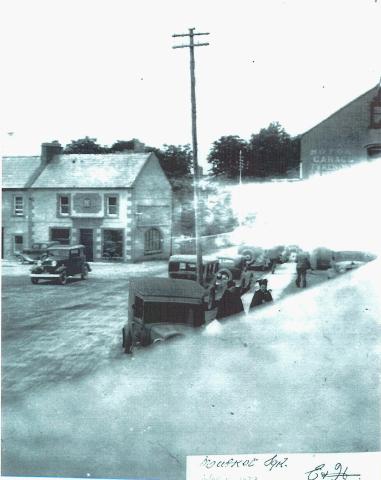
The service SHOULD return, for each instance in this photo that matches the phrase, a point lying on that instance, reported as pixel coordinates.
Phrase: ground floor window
(61, 235)
(112, 243)
(153, 241)
(18, 243)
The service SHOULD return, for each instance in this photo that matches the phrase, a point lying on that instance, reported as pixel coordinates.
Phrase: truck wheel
(85, 273)
(34, 281)
(63, 278)
(127, 341)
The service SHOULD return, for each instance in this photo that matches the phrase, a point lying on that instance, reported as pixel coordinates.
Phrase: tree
(85, 145)
(122, 146)
(225, 156)
(176, 161)
(272, 152)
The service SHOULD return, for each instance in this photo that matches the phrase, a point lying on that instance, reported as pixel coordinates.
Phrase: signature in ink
(321, 472)
(275, 462)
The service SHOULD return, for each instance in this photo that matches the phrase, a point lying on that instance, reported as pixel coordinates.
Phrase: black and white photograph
(190, 244)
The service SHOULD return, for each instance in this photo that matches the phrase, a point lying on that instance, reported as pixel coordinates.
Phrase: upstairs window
(375, 111)
(64, 205)
(111, 205)
(18, 206)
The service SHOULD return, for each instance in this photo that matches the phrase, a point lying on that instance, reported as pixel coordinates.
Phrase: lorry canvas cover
(159, 289)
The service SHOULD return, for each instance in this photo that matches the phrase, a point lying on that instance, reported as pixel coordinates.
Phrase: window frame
(60, 196)
(122, 231)
(150, 242)
(107, 197)
(18, 211)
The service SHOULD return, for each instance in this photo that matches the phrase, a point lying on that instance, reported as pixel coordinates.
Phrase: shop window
(18, 243)
(111, 205)
(18, 206)
(63, 205)
(61, 235)
(152, 241)
(112, 243)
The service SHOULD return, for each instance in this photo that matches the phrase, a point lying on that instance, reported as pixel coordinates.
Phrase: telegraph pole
(196, 173)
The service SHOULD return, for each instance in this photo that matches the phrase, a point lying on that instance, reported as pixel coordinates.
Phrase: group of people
(231, 302)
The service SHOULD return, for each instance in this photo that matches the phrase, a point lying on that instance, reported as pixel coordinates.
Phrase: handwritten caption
(274, 466)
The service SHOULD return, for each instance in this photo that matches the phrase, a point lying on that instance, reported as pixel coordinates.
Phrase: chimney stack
(49, 150)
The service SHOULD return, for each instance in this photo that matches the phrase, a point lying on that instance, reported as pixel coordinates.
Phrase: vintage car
(235, 268)
(345, 261)
(61, 262)
(183, 267)
(257, 258)
(163, 308)
(321, 258)
(36, 252)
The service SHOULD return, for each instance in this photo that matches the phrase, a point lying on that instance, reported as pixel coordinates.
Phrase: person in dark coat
(262, 295)
(302, 265)
(230, 303)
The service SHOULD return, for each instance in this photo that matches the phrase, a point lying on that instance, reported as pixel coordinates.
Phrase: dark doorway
(86, 239)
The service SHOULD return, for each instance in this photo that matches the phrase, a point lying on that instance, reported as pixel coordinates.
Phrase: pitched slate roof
(92, 170)
(16, 171)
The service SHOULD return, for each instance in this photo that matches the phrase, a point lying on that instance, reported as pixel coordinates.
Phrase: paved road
(52, 332)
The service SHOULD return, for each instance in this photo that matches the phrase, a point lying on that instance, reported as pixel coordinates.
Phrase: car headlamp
(54, 263)
(39, 263)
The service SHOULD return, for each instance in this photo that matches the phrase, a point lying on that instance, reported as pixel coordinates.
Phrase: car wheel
(85, 273)
(63, 278)
(225, 274)
(34, 281)
(127, 341)
(249, 255)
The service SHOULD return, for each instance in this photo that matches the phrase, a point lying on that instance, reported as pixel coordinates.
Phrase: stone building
(118, 205)
(350, 135)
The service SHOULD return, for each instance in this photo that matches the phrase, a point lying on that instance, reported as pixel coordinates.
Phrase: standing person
(274, 256)
(230, 302)
(302, 265)
(262, 295)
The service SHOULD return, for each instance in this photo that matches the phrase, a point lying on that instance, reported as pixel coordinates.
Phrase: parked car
(235, 268)
(290, 253)
(183, 267)
(257, 258)
(163, 308)
(36, 252)
(61, 262)
(345, 261)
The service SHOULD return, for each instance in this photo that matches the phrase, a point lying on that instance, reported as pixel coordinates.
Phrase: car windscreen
(182, 267)
(58, 254)
(228, 262)
(177, 313)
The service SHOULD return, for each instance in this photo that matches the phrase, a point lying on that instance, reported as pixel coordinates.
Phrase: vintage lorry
(162, 308)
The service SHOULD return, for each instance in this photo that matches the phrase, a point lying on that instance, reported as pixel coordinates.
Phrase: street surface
(301, 375)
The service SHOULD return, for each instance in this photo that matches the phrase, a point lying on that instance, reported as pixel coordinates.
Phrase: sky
(107, 69)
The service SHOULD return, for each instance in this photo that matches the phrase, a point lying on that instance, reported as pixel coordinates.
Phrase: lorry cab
(163, 308)
(183, 267)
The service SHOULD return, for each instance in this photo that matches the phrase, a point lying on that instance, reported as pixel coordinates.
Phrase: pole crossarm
(194, 45)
